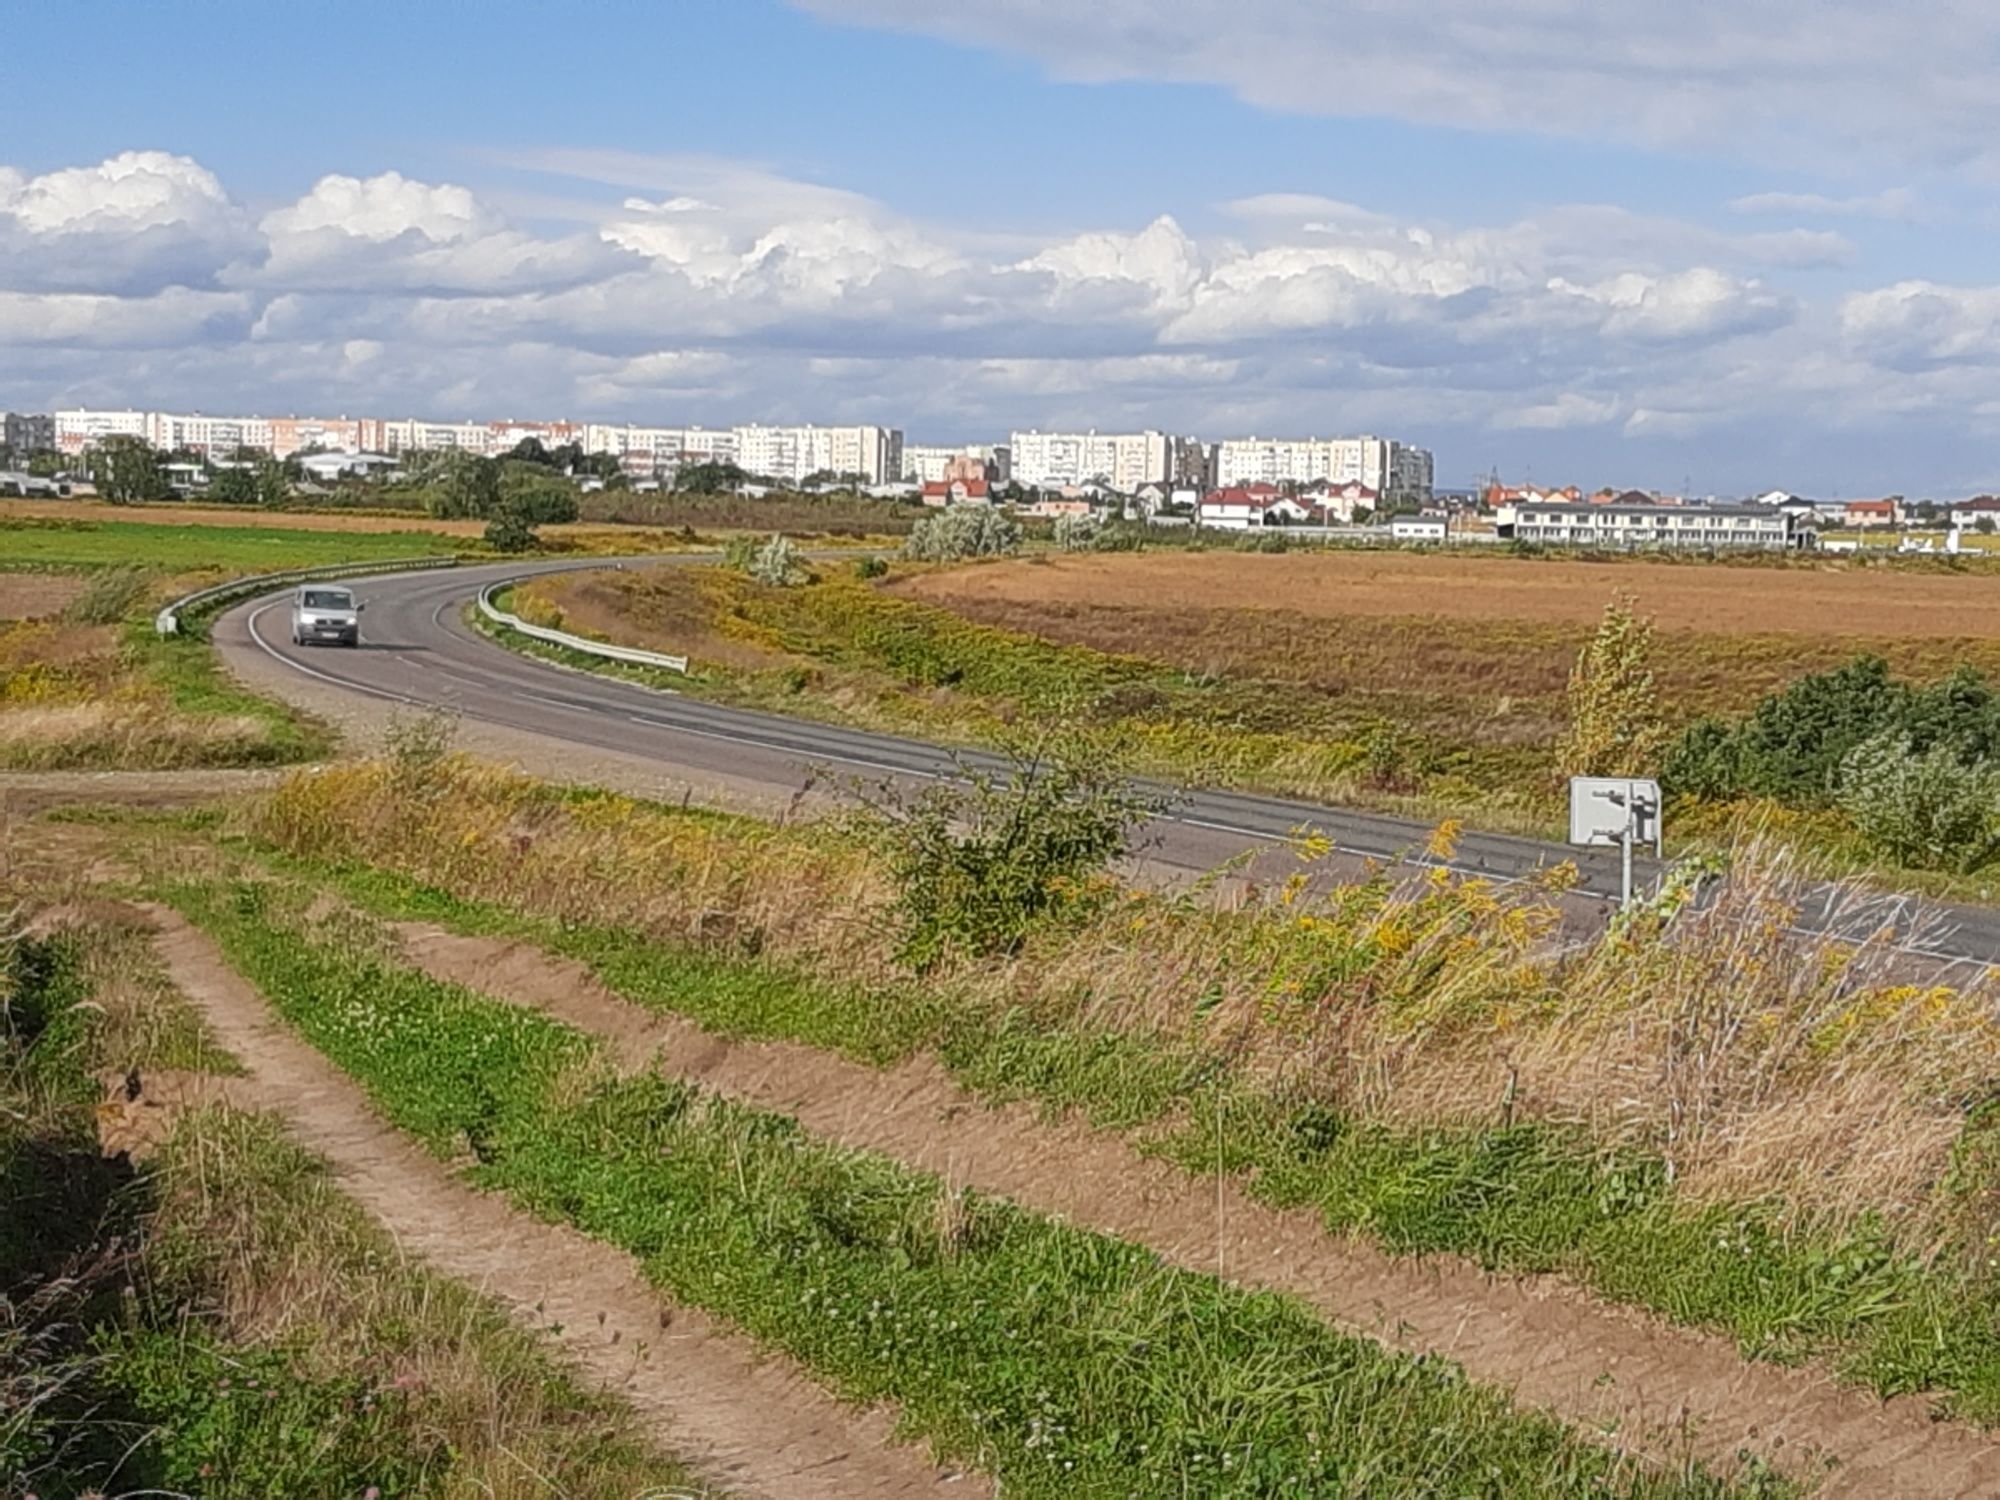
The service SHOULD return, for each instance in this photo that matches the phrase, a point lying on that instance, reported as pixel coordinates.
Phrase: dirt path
(1661, 1390)
(747, 1419)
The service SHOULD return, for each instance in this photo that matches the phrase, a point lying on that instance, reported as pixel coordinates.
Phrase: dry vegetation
(35, 596)
(1488, 641)
(1752, 1062)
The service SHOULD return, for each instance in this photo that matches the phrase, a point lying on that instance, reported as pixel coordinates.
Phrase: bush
(1076, 533)
(510, 531)
(977, 863)
(965, 531)
(1793, 745)
(1614, 712)
(870, 567)
(1927, 810)
(778, 563)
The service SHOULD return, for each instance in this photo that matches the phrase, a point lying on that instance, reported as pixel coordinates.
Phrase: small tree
(1615, 727)
(1928, 810)
(978, 862)
(778, 564)
(234, 486)
(127, 469)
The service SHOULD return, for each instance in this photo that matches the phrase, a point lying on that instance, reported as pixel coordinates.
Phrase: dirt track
(1662, 1390)
(747, 1419)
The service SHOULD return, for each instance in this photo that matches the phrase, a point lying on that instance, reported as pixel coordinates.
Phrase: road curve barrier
(168, 620)
(570, 642)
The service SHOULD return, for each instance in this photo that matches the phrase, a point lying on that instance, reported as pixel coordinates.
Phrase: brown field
(1478, 649)
(34, 596)
(1837, 599)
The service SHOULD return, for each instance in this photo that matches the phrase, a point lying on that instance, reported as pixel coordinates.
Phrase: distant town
(1367, 486)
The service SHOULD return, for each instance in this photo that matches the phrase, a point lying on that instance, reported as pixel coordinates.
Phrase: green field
(187, 549)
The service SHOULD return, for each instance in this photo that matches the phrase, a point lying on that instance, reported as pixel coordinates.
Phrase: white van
(325, 612)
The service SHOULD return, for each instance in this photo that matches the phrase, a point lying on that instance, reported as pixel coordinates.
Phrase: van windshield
(327, 599)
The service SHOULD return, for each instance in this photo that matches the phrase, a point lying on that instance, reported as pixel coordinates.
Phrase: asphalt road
(417, 650)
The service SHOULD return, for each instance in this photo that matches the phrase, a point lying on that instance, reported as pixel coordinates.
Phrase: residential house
(1615, 524)
(1864, 515)
(1238, 507)
(1969, 513)
(958, 492)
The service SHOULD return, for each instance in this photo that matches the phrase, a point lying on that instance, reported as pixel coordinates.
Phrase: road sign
(1621, 810)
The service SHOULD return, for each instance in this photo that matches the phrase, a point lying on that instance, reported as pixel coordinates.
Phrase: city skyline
(1620, 260)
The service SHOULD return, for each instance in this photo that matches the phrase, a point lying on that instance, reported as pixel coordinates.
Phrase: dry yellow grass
(34, 596)
(128, 734)
(1756, 1061)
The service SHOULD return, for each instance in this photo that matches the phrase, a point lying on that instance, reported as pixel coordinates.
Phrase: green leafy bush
(1792, 746)
(870, 567)
(510, 531)
(1928, 810)
(962, 532)
(778, 563)
(977, 863)
(1077, 533)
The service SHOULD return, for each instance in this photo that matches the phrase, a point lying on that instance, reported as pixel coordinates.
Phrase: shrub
(1793, 745)
(1614, 712)
(1925, 809)
(1076, 533)
(965, 531)
(978, 862)
(510, 531)
(778, 563)
(870, 567)
(109, 596)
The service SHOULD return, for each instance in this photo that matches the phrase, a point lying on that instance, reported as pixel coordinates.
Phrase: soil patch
(33, 596)
(748, 1419)
(1660, 1390)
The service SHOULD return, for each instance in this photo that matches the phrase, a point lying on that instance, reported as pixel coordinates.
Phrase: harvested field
(1836, 599)
(1479, 648)
(35, 596)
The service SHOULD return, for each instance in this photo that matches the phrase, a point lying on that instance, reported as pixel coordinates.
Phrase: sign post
(1621, 810)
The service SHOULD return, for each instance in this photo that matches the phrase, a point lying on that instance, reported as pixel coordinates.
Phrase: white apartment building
(1396, 469)
(78, 428)
(1123, 460)
(925, 463)
(412, 435)
(1255, 460)
(791, 454)
(206, 435)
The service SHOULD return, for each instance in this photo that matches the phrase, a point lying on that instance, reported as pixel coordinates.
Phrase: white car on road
(325, 612)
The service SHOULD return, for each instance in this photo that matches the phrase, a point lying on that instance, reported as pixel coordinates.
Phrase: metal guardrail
(571, 642)
(168, 620)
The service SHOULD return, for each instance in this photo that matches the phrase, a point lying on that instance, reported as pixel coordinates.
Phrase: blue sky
(1583, 241)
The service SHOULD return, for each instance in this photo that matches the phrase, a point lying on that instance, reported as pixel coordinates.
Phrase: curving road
(417, 650)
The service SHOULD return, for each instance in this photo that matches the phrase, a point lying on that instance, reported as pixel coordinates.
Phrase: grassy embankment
(216, 1318)
(94, 687)
(1062, 1362)
(1789, 1145)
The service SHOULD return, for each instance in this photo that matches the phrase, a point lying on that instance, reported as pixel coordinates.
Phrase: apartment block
(1122, 460)
(792, 454)
(77, 429)
(27, 432)
(925, 463)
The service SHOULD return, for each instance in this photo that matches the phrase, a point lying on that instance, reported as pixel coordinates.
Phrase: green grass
(188, 549)
(1066, 1363)
(186, 671)
(122, 1365)
(1524, 1198)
